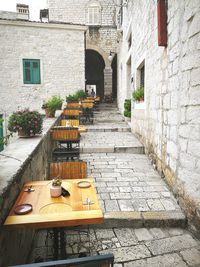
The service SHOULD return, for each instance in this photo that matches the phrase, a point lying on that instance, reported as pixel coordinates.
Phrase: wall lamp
(111, 55)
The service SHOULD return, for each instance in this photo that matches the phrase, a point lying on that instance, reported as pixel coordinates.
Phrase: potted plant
(25, 122)
(127, 108)
(138, 94)
(81, 95)
(72, 98)
(55, 189)
(51, 105)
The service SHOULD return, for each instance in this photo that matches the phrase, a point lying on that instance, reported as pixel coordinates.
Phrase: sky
(34, 6)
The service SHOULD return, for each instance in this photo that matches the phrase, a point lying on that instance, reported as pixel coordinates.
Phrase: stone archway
(101, 52)
(108, 76)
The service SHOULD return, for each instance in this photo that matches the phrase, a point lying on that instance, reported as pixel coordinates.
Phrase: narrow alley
(144, 225)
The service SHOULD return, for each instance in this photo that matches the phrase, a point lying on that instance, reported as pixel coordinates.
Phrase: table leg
(59, 243)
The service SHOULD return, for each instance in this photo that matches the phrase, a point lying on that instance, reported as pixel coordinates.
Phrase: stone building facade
(167, 122)
(60, 49)
(101, 38)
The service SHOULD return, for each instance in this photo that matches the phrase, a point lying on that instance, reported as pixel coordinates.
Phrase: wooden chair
(69, 170)
(87, 105)
(76, 105)
(106, 260)
(71, 112)
(87, 116)
(73, 123)
(68, 139)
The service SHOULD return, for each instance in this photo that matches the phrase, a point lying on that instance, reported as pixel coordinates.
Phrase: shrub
(127, 108)
(71, 98)
(30, 122)
(54, 103)
(80, 94)
(127, 113)
(138, 94)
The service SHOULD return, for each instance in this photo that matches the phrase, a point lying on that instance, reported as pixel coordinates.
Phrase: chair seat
(66, 151)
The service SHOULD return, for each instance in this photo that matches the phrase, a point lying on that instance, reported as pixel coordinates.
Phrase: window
(94, 14)
(31, 71)
(142, 72)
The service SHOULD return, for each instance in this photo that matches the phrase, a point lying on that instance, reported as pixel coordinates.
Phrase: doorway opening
(114, 77)
(94, 71)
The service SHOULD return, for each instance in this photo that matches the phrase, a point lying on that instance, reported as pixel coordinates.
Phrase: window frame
(35, 73)
(94, 9)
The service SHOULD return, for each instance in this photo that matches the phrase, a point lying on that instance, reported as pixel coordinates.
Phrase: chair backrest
(73, 123)
(87, 105)
(69, 169)
(65, 133)
(73, 105)
(71, 112)
(106, 260)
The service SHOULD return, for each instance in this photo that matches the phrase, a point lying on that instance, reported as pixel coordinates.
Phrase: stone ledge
(139, 219)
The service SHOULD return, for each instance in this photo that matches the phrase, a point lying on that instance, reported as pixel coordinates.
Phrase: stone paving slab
(147, 247)
(108, 127)
(96, 142)
(132, 177)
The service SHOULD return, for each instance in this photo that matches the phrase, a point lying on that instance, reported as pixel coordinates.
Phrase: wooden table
(61, 211)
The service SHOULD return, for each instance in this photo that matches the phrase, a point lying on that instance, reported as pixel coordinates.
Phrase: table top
(48, 212)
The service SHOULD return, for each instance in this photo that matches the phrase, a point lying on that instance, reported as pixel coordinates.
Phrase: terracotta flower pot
(21, 133)
(49, 114)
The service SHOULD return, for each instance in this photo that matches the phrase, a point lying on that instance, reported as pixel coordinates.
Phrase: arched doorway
(94, 71)
(114, 77)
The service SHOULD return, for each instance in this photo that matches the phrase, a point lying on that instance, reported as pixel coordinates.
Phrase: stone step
(138, 219)
(111, 129)
(111, 149)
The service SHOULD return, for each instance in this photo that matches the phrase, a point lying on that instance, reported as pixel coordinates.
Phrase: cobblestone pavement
(128, 182)
(142, 247)
(135, 200)
(124, 177)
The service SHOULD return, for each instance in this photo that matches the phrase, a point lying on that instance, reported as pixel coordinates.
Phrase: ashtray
(23, 209)
(83, 184)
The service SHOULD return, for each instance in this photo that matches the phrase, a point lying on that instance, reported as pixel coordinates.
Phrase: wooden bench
(106, 260)
(69, 170)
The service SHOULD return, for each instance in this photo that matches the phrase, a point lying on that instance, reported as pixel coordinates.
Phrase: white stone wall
(75, 11)
(169, 124)
(60, 49)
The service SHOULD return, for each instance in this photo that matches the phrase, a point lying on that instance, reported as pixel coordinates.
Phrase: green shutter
(36, 72)
(31, 71)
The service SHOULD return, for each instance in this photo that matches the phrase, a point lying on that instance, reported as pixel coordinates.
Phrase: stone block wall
(75, 11)
(61, 50)
(169, 125)
(26, 159)
(101, 38)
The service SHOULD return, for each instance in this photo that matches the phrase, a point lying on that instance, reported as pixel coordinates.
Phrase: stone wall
(75, 11)
(101, 38)
(168, 121)
(25, 160)
(61, 50)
